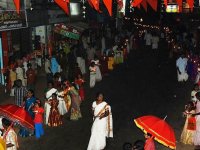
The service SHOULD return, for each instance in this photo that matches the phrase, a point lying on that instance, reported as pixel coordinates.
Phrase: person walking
(9, 135)
(102, 124)
(54, 119)
(28, 106)
(187, 134)
(197, 115)
(19, 93)
(181, 65)
(54, 65)
(149, 143)
(48, 95)
(38, 119)
(31, 77)
(92, 69)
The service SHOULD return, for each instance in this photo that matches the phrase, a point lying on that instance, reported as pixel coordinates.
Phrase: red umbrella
(17, 114)
(159, 128)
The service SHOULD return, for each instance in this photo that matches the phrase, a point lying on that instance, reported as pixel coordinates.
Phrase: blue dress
(54, 65)
(28, 105)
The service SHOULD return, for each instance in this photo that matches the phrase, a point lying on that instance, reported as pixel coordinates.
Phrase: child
(188, 133)
(54, 115)
(62, 105)
(79, 81)
(149, 143)
(38, 119)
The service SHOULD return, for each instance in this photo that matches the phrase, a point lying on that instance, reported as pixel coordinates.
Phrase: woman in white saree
(102, 125)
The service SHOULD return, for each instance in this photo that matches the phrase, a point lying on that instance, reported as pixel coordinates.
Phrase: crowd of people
(94, 56)
(66, 72)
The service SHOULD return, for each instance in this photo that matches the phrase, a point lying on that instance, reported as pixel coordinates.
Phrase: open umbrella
(159, 128)
(17, 114)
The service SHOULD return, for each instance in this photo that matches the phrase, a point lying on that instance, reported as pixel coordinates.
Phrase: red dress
(81, 90)
(54, 115)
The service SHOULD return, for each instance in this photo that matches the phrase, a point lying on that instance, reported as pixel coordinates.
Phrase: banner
(69, 32)
(11, 20)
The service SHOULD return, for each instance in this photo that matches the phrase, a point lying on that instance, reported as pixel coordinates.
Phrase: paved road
(132, 90)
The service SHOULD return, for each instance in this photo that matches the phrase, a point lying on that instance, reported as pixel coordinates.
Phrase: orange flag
(94, 4)
(135, 3)
(165, 2)
(63, 4)
(179, 2)
(144, 5)
(153, 4)
(108, 4)
(17, 5)
(191, 4)
(90, 3)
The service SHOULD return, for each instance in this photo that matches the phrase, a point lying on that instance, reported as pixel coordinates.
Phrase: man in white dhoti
(48, 96)
(181, 65)
(102, 125)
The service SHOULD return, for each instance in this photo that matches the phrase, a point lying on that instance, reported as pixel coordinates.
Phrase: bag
(191, 123)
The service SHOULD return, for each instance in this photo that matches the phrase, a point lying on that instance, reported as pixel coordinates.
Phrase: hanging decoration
(138, 6)
(153, 4)
(17, 5)
(108, 4)
(94, 4)
(144, 5)
(191, 4)
(179, 2)
(84, 7)
(135, 3)
(63, 4)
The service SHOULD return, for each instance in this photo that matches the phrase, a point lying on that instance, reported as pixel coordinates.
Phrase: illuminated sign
(172, 8)
(75, 9)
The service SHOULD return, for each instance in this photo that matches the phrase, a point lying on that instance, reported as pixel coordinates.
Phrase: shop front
(11, 26)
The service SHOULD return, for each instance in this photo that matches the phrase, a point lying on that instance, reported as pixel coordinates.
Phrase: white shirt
(181, 64)
(11, 137)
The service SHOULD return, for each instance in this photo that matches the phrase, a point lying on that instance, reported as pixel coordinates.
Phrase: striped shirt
(20, 93)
